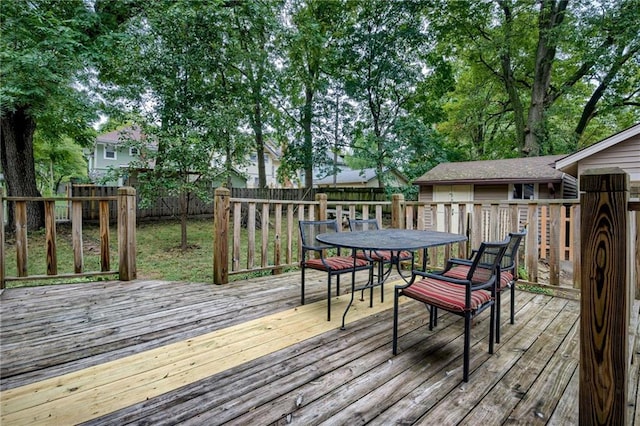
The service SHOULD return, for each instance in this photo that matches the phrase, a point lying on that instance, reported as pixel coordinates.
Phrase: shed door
(451, 194)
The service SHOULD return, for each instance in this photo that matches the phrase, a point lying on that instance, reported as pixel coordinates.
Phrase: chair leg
(492, 326)
(329, 297)
(370, 283)
(499, 303)
(396, 294)
(381, 279)
(302, 287)
(432, 316)
(467, 344)
(513, 301)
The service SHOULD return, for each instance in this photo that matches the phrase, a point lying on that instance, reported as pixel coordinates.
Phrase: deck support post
(127, 233)
(221, 209)
(604, 305)
(322, 207)
(397, 211)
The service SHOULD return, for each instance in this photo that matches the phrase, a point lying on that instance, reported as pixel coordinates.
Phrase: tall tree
(172, 75)
(250, 47)
(44, 48)
(543, 53)
(313, 34)
(385, 62)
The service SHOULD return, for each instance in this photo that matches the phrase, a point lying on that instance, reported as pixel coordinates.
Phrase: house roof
(569, 163)
(115, 136)
(350, 176)
(523, 170)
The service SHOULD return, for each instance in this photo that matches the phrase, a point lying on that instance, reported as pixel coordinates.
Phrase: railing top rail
(362, 203)
(83, 198)
(264, 201)
(509, 202)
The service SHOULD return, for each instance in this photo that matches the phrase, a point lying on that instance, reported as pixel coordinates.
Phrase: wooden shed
(508, 179)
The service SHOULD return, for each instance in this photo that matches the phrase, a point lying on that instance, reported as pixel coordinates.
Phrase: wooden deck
(151, 352)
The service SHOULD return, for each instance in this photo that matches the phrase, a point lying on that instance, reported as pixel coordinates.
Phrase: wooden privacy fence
(166, 207)
(125, 200)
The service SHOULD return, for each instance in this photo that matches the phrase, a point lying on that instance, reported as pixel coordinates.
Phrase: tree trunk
(550, 18)
(259, 138)
(16, 137)
(307, 116)
(510, 81)
(184, 213)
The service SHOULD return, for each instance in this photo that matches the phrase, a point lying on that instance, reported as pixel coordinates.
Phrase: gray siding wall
(625, 155)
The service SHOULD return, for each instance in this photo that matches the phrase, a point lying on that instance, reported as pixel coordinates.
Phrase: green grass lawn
(158, 254)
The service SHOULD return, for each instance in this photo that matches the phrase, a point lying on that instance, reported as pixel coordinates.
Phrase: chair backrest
(310, 228)
(510, 258)
(485, 266)
(363, 224)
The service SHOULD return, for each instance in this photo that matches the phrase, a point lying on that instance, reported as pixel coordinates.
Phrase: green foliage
(535, 78)
(57, 163)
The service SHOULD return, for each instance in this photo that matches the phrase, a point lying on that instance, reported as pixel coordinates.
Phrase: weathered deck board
(332, 377)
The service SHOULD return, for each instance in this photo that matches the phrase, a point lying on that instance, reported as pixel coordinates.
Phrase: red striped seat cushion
(460, 272)
(335, 263)
(382, 255)
(445, 295)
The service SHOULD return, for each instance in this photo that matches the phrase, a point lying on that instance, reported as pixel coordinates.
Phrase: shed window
(524, 191)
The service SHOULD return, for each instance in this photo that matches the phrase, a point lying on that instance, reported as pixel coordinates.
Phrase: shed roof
(522, 170)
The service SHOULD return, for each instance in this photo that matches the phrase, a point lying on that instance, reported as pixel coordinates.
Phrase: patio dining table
(392, 240)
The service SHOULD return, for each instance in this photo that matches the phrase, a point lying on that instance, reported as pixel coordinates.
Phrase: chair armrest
(417, 273)
(456, 261)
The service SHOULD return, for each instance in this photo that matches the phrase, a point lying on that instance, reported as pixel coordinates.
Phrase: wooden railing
(126, 226)
(262, 235)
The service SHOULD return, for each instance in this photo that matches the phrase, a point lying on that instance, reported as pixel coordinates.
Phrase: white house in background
(620, 150)
(272, 161)
(110, 151)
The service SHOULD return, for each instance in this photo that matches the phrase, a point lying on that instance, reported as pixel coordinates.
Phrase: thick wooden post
(555, 242)
(322, 208)
(604, 300)
(221, 207)
(127, 233)
(397, 212)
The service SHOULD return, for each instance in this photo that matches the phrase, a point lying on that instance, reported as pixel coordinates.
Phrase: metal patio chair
(334, 265)
(508, 274)
(466, 297)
